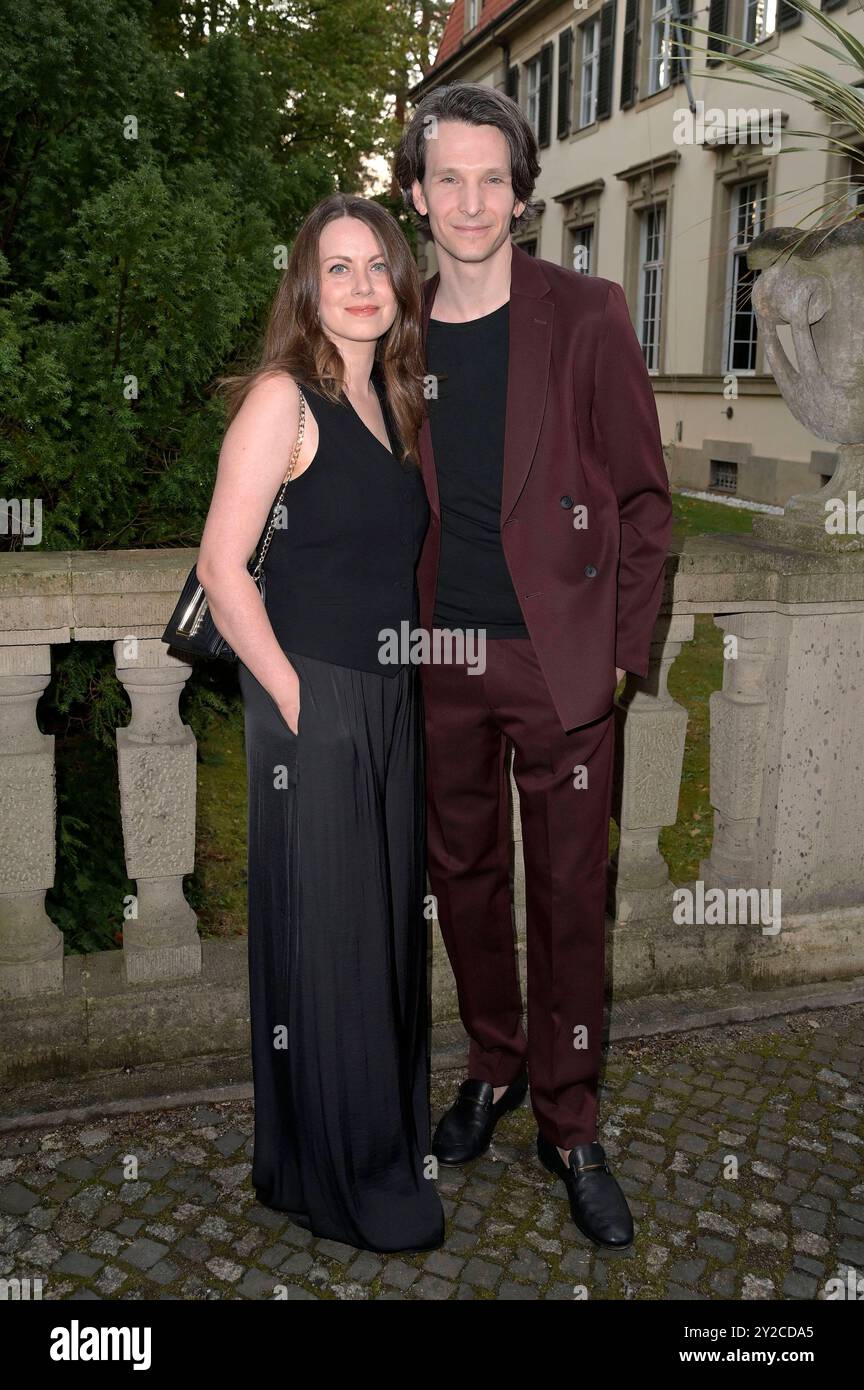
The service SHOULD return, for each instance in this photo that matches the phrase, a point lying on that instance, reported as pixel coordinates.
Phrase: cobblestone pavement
(781, 1100)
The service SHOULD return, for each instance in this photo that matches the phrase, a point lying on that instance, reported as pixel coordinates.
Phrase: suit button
(567, 501)
(590, 571)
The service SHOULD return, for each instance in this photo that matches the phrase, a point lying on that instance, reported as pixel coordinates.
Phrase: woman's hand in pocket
(289, 707)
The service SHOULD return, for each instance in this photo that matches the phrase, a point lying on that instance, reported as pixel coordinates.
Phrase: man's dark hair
(474, 104)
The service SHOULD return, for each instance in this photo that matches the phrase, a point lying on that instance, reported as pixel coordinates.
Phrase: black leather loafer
(465, 1130)
(597, 1205)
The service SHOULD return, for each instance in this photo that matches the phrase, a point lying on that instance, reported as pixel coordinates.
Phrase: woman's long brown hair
(295, 342)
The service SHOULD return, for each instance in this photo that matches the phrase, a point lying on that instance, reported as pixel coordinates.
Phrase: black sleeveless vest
(340, 567)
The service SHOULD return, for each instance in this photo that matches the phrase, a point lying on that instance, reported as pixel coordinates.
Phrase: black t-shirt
(467, 422)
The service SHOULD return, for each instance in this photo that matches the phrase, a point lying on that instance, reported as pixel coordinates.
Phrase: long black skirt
(337, 957)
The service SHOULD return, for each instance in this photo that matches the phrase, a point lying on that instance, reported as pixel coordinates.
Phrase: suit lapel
(531, 320)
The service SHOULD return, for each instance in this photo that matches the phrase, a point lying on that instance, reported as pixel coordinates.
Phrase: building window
(724, 476)
(565, 82)
(855, 194)
(582, 249)
(538, 95)
(760, 19)
(747, 220)
(530, 245)
(532, 93)
(589, 72)
(472, 13)
(659, 74)
(651, 250)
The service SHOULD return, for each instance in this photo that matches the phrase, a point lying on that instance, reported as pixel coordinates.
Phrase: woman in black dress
(337, 933)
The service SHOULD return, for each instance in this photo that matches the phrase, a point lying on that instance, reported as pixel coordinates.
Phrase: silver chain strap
(286, 481)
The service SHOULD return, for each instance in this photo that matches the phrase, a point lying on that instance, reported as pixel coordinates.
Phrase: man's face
(467, 191)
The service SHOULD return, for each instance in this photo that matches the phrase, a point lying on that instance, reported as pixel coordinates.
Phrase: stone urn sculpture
(814, 282)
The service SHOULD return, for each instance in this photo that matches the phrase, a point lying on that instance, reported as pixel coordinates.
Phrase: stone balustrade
(786, 787)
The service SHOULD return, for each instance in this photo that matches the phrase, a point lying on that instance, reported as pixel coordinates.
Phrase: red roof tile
(454, 36)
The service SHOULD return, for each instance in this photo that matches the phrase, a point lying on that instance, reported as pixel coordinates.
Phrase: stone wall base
(196, 1031)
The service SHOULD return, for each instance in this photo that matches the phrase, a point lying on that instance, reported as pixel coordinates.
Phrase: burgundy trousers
(565, 831)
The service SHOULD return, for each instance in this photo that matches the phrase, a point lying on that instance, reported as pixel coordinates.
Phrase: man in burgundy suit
(550, 524)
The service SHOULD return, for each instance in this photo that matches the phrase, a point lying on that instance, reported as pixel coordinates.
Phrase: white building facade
(657, 172)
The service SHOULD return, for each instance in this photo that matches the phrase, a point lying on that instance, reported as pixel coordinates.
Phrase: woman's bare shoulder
(276, 385)
(273, 397)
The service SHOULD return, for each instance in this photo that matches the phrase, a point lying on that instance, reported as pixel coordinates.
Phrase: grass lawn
(217, 889)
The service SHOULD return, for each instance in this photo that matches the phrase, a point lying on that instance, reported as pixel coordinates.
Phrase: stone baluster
(156, 758)
(739, 731)
(31, 947)
(649, 754)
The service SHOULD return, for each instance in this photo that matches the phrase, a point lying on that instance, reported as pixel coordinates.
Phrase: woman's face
(357, 299)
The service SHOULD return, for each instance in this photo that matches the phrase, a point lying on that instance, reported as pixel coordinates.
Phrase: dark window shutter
(831, 4)
(513, 82)
(717, 25)
(679, 56)
(565, 81)
(628, 55)
(606, 61)
(787, 15)
(544, 122)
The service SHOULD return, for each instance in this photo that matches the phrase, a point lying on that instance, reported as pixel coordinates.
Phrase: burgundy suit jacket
(581, 430)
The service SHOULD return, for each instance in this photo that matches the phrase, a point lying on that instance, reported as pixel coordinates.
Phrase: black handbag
(191, 628)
